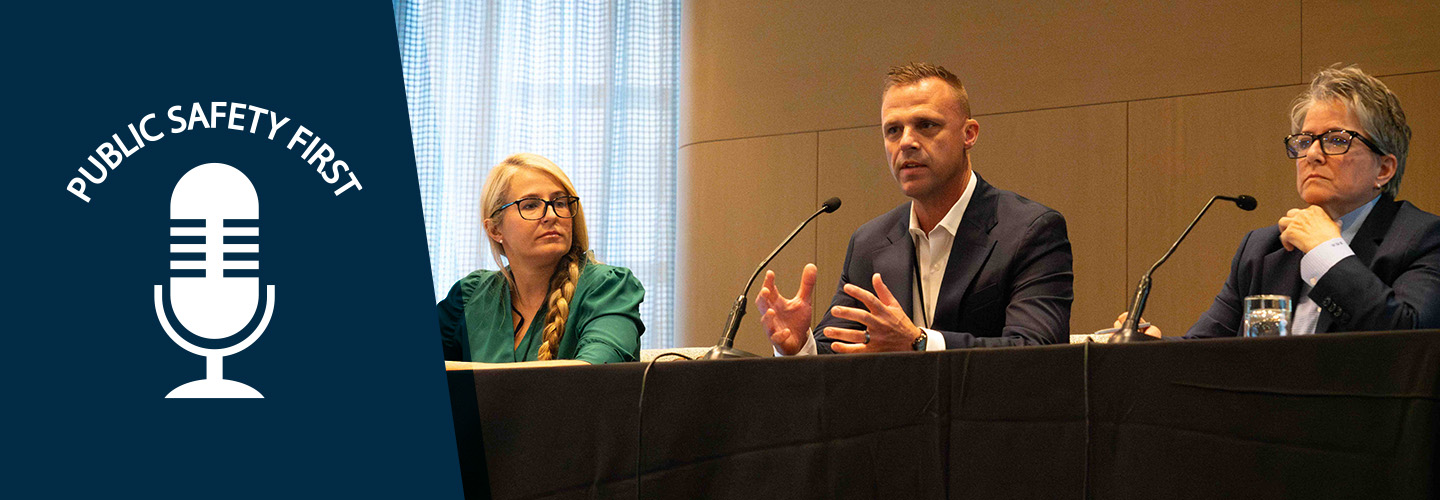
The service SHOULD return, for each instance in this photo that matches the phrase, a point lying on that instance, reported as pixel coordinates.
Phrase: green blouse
(604, 325)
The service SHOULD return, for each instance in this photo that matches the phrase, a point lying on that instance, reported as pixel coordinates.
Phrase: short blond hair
(915, 72)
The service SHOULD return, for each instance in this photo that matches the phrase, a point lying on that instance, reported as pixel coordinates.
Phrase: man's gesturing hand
(787, 321)
(887, 325)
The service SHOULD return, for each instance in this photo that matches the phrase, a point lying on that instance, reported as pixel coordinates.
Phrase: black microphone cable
(640, 416)
(726, 340)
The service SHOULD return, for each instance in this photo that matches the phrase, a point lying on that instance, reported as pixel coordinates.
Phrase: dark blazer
(1008, 281)
(1391, 283)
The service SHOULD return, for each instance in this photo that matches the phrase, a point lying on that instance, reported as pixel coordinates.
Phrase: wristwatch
(919, 343)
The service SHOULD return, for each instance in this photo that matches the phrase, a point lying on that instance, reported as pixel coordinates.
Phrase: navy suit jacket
(1391, 283)
(1008, 281)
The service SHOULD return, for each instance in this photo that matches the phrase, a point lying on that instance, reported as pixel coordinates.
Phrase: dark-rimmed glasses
(1332, 142)
(535, 208)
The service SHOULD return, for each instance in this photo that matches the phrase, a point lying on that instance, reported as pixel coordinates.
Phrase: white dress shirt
(1319, 260)
(932, 253)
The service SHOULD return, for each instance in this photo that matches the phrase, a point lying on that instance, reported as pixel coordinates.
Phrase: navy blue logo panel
(219, 281)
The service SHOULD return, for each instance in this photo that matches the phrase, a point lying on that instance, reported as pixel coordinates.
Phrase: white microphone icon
(214, 283)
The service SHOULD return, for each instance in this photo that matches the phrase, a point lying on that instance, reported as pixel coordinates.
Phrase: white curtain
(591, 85)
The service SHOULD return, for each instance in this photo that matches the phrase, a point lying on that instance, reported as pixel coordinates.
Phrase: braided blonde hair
(567, 271)
(562, 289)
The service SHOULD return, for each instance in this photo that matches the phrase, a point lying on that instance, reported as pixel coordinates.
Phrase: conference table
(1321, 416)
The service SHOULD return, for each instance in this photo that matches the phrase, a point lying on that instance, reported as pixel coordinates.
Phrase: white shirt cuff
(808, 350)
(1320, 259)
(934, 341)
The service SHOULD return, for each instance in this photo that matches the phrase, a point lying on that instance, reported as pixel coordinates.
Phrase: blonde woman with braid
(550, 302)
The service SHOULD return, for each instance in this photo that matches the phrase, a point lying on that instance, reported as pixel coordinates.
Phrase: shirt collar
(1350, 223)
(951, 221)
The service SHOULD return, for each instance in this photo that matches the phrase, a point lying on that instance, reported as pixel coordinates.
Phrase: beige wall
(1125, 117)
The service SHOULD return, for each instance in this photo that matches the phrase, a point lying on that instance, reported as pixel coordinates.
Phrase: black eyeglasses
(535, 208)
(1332, 142)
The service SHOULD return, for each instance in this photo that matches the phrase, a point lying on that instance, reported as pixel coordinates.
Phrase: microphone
(725, 348)
(214, 272)
(1129, 330)
(1244, 201)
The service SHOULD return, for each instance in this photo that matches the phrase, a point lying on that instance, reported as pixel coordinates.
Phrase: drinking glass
(1266, 316)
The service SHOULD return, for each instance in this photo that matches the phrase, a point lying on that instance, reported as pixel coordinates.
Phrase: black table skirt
(1328, 416)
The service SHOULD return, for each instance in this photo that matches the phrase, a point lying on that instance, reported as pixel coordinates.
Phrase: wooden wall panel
(1420, 96)
(738, 200)
(852, 166)
(1384, 37)
(1071, 160)
(760, 68)
(1183, 151)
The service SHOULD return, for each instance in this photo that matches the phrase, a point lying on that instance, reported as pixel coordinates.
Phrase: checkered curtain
(591, 85)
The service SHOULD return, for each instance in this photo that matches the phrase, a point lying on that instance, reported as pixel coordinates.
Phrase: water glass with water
(1266, 316)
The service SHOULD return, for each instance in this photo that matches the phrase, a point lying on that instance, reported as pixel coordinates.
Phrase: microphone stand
(725, 348)
(1129, 330)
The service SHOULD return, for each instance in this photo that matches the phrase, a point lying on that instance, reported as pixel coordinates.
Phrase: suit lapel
(970, 251)
(1285, 265)
(1372, 232)
(895, 263)
(1367, 242)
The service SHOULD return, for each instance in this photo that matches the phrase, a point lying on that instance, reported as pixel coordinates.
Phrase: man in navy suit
(973, 265)
(1354, 259)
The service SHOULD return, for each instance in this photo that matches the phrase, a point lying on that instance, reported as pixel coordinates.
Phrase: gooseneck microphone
(1129, 330)
(725, 348)
(214, 272)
